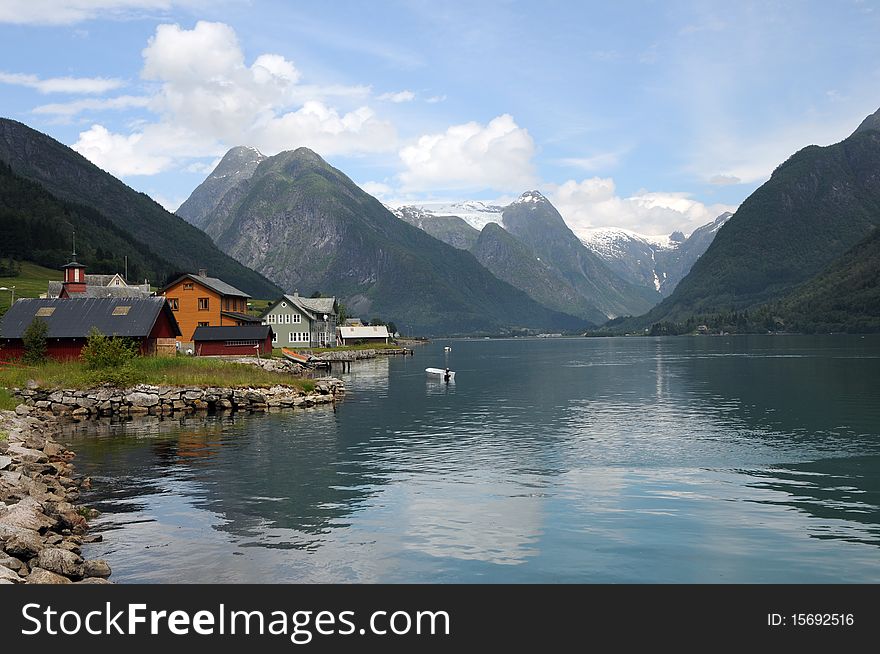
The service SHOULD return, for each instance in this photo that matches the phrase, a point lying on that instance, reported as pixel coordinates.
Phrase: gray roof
(320, 305)
(245, 317)
(232, 333)
(99, 290)
(74, 318)
(213, 283)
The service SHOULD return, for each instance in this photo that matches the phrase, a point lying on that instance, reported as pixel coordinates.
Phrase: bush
(35, 341)
(101, 352)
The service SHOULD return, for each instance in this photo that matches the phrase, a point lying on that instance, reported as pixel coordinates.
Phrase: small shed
(238, 340)
(364, 334)
(147, 321)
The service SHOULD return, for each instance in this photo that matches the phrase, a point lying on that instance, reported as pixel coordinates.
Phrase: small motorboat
(447, 349)
(306, 360)
(441, 373)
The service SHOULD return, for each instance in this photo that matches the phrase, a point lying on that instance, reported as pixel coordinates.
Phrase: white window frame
(297, 318)
(274, 337)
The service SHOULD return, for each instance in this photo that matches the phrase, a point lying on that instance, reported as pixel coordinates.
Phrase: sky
(649, 116)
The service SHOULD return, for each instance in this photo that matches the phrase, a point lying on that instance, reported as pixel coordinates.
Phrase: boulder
(14, 564)
(142, 399)
(26, 454)
(21, 543)
(10, 576)
(60, 561)
(40, 576)
(96, 568)
(22, 410)
(27, 514)
(94, 580)
(5, 461)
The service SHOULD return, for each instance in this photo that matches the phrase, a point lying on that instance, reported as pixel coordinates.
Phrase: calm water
(709, 459)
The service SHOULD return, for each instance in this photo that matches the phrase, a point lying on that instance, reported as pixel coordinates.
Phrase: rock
(27, 514)
(142, 399)
(22, 410)
(92, 538)
(42, 404)
(52, 449)
(14, 564)
(80, 412)
(96, 568)
(10, 576)
(40, 576)
(60, 561)
(26, 454)
(4, 462)
(23, 543)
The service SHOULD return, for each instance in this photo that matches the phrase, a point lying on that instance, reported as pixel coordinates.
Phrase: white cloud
(211, 99)
(434, 99)
(377, 189)
(471, 156)
(724, 180)
(400, 96)
(82, 85)
(92, 104)
(118, 154)
(66, 12)
(594, 202)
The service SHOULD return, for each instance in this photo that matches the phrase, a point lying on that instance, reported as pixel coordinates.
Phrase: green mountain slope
(536, 223)
(815, 206)
(510, 260)
(70, 177)
(38, 227)
(449, 229)
(843, 298)
(308, 227)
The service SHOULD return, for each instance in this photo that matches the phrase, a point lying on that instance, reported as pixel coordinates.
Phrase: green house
(302, 321)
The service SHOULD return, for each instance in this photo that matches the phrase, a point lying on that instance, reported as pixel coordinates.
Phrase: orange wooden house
(202, 301)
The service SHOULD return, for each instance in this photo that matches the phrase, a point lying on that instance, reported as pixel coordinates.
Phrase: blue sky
(651, 116)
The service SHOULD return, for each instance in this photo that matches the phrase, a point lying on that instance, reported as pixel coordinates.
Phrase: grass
(165, 371)
(32, 282)
(342, 348)
(7, 401)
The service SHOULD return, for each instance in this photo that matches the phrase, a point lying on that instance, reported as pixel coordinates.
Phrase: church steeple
(74, 275)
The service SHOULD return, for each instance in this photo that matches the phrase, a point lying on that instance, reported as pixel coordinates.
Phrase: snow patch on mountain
(475, 213)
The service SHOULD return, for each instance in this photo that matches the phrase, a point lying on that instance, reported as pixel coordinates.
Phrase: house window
(45, 312)
(304, 336)
(297, 318)
(121, 311)
(203, 303)
(284, 304)
(242, 342)
(274, 338)
(203, 324)
(174, 303)
(187, 286)
(291, 337)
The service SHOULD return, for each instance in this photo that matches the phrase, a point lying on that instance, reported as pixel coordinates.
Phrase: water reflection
(707, 459)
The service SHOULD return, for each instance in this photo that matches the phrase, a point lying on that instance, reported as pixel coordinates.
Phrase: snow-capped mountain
(475, 213)
(657, 261)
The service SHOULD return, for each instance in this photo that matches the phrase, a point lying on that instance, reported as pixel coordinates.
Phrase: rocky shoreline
(41, 528)
(145, 399)
(357, 355)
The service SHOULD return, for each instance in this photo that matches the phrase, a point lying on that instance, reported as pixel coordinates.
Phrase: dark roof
(74, 318)
(311, 306)
(211, 282)
(94, 287)
(246, 317)
(233, 333)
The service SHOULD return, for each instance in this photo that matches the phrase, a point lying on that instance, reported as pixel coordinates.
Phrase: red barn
(239, 340)
(148, 321)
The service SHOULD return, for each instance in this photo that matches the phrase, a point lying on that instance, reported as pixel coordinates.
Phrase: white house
(302, 321)
(353, 335)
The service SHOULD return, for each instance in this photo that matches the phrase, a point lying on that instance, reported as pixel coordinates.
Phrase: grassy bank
(341, 348)
(165, 371)
(32, 281)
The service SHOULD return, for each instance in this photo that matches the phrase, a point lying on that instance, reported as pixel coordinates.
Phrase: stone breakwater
(41, 530)
(355, 355)
(164, 400)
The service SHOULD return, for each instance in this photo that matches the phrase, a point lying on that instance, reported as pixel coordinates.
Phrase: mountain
(38, 227)
(815, 206)
(508, 259)
(449, 229)
(845, 297)
(871, 122)
(536, 223)
(309, 228)
(647, 261)
(236, 165)
(475, 213)
(69, 177)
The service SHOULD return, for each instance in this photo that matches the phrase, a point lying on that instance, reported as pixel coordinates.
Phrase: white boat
(441, 372)
(447, 349)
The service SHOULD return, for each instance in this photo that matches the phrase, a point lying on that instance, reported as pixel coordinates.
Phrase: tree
(316, 294)
(341, 314)
(35, 341)
(107, 352)
(392, 328)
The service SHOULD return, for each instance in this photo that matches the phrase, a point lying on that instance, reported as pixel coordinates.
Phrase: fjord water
(689, 459)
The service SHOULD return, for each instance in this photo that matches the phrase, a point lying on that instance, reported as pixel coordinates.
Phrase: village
(195, 314)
